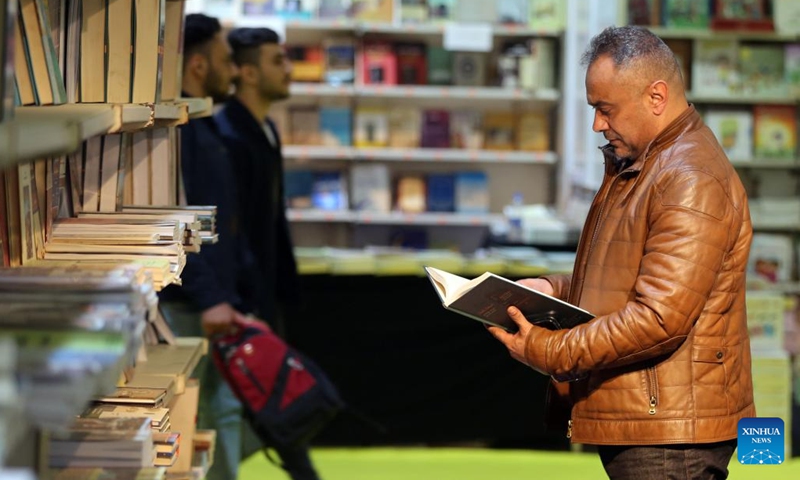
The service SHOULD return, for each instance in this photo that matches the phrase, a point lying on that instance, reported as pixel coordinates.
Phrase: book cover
(371, 127)
(340, 60)
(441, 192)
(472, 193)
(441, 11)
(791, 64)
(405, 127)
(512, 12)
(474, 11)
(499, 131)
(304, 125)
(334, 9)
(682, 49)
(547, 15)
(440, 66)
(508, 62)
(469, 69)
(308, 63)
(329, 191)
(538, 69)
(762, 70)
(734, 131)
(644, 12)
(487, 297)
(466, 129)
(715, 67)
(298, 188)
(370, 188)
(411, 194)
(775, 129)
(414, 11)
(378, 64)
(379, 11)
(771, 259)
(412, 68)
(686, 14)
(435, 129)
(533, 132)
(335, 126)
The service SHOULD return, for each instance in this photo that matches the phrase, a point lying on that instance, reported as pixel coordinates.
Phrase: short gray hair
(630, 46)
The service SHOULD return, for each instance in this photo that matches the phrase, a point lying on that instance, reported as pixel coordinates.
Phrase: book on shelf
(435, 129)
(762, 70)
(329, 191)
(441, 192)
(791, 64)
(308, 63)
(469, 69)
(371, 191)
(685, 14)
(715, 69)
(441, 11)
(733, 128)
(371, 127)
(512, 12)
(412, 68)
(487, 297)
(499, 131)
(771, 259)
(335, 126)
(378, 64)
(775, 132)
(533, 132)
(340, 60)
(474, 11)
(466, 129)
(410, 194)
(682, 49)
(644, 12)
(413, 11)
(547, 14)
(150, 397)
(440, 66)
(333, 9)
(472, 193)
(298, 187)
(379, 11)
(405, 127)
(304, 125)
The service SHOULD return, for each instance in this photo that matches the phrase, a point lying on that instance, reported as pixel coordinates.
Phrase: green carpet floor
(471, 464)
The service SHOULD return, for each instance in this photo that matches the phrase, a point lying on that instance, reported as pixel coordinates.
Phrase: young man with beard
(254, 145)
(661, 377)
(211, 296)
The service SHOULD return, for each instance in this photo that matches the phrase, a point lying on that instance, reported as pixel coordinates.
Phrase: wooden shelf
(170, 114)
(301, 152)
(172, 361)
(393, 218)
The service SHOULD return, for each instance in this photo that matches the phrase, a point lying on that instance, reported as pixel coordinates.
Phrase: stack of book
(75, 334)
(103, 442)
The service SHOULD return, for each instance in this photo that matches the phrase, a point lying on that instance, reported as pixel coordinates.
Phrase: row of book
(761, 132)
(411, 127)
(372, 189)
(67, 51)
(522, 63)
(726, 67)
(700, 14)
(535, 14)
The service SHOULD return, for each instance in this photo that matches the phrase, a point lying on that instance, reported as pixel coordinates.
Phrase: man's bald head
(640, 57)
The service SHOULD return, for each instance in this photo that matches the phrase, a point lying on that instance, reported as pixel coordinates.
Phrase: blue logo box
(761, 441)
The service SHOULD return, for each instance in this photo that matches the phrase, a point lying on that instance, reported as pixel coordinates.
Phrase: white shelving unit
(302, 153)
(393, 218)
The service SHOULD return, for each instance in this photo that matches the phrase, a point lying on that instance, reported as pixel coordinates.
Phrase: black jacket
(259, 168)
(220, 271)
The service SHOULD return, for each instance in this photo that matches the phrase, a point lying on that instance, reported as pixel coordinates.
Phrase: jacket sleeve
(691, 226)
(560, 285)
(199, 280)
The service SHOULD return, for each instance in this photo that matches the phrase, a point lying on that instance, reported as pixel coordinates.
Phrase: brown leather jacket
(661, 262)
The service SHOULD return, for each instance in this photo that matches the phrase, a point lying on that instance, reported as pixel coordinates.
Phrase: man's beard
(214, 88)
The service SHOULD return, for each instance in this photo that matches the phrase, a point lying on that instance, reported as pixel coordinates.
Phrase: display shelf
(759, 164)
(301, 152)
(172, 361)
(425, 92)
(170, 114)
(749, 99)
(705, 33)
(393, 218)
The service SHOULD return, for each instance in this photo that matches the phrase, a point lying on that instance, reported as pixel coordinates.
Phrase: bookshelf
(58, 156)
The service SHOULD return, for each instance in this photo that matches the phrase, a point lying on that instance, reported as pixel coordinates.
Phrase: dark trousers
(667, 462)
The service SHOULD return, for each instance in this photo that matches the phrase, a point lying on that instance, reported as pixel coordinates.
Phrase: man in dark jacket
(212, 295)
(254, 143)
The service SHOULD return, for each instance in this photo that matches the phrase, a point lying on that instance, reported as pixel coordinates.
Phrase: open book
(487, 297)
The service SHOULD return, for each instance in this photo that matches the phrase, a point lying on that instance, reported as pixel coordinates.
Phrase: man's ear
(248, 74)
(657, 96)
(197, 65)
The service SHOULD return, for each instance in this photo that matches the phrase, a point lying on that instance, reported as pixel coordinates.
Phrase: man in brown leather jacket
(660, 378)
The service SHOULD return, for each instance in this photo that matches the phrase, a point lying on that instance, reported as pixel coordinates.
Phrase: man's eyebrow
(599, 103)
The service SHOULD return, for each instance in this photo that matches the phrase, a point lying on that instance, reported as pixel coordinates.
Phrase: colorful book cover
(499, 131)
(335, 126)
(547, 15)
(686, 14)
(378, 11)
(469, 69)
(308, 63)
(441, 192)
(775, 132)
(435, 129)
(298, 188)
(371, 127)
(644, 12)
(411, 196)
(379, 64)
(405, 127)
(370, 188)
(715, 67)
(412, 68)
(533, 132)
(512, 12)
(441, 11)
(466, 129)
(682, 49)
(340, 60)
(329, 191)
(334, 9)
(440, 66)
(472, 192)
(304, 126)
(414, 11)
(791, 64)
(734, 131)
(762, 70)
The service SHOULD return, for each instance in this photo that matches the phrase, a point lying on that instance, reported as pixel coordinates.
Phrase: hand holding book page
(487, 297)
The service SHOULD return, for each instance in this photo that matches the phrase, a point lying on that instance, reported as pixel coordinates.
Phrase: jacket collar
(243, 119)
(688, 120)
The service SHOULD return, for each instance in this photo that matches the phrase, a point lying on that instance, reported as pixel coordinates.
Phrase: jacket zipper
(249, 374)
(652, 389)
(569, 428)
